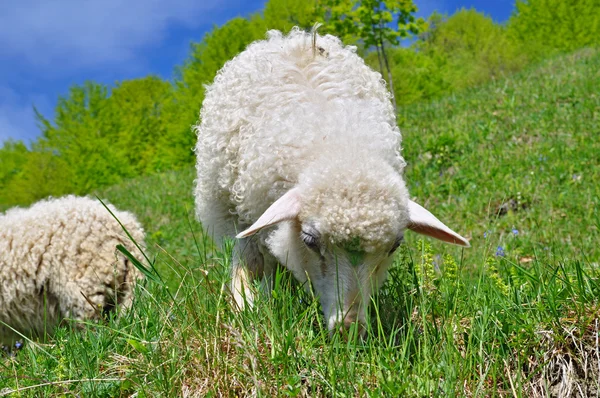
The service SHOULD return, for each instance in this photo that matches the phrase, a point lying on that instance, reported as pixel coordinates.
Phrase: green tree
(417, 75)
(13, 157)
(283, 15)
(469, 48)
(205, 59)
(43, 174)
(376, 23)
(135, 113)
(85, 140)
(556, 25)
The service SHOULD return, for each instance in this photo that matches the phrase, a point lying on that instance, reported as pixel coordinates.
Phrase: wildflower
(18, 345)
(500, 252)
(450, 268)
(495, 277)
(426, 270)
(486, 233)
(515, 231)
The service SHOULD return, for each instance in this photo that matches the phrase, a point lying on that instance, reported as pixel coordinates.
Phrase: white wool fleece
(277, 107)
(54, 253)
(298, 143)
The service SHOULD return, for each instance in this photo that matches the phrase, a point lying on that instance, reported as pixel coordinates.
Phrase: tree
(470, 48)
(135, 112)
(376, 23)
(85, 140)
(556, 25)
(205, 59)
(13, 157)
(285, 14)
(43, 175)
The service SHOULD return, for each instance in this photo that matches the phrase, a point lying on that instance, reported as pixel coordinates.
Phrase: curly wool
(56, 254)
(283, 113)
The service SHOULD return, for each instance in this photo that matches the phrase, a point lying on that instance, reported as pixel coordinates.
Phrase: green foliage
(200, 68)
(470, 49)
(283, 15)
(555, 25)
(455, 53)
(83, 138)
(369, 22)
(374, 22)
(137, 114)
(42, 175)
(416, 75)
(13, 157)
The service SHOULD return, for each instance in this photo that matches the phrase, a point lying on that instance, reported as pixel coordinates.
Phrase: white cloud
(48, 45)
(89, 32)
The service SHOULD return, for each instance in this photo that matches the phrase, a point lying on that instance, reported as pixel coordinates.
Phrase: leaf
(143, 269)
(138, 346)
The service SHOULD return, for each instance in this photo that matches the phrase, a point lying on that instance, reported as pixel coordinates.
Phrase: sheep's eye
(310, 240)
(396, 245)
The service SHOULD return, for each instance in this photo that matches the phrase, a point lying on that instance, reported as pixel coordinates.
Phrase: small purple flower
(18, 345)
(500, 252)
(486, 233)
(515, 231)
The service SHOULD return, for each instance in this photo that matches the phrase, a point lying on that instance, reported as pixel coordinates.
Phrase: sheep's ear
(423, 222)
(285, 208)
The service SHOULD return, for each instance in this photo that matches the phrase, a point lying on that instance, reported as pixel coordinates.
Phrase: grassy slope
(448, 322)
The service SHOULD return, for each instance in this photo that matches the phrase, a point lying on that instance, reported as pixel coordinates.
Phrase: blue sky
(47, 46)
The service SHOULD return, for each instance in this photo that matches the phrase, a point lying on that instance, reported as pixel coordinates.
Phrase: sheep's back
(53, 251)
(278, 105)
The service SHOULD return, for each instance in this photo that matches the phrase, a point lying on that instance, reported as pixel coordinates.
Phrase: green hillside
(513, 165)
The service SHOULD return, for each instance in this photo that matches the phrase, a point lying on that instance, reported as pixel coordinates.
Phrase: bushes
(455, 53)
(549, 26)
(471, 49)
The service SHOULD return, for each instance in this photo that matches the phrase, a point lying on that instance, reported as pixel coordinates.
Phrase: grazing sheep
(297, 132)
(58, 260)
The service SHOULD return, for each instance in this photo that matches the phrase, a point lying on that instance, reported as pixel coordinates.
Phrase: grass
(513, 165)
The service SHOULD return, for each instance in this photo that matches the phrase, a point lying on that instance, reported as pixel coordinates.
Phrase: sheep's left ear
(423, 222)
(285, 208)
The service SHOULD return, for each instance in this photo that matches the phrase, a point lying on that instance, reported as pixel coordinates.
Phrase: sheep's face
(342, 273)
(344, 246)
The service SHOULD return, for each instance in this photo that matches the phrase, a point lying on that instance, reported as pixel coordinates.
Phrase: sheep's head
(342, 236)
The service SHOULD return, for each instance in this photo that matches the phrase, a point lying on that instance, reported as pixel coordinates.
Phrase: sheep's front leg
(247, 265)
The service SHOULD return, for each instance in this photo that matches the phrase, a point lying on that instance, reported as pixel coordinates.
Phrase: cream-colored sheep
(58, 260)
(297, 132)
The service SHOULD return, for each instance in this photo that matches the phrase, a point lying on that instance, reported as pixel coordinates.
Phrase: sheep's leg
(248, 265)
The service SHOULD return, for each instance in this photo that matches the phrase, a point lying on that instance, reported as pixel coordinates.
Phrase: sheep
(297, 133)
(58, 260)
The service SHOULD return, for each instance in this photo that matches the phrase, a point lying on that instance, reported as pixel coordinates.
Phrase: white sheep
(58, 260)
(296, 131)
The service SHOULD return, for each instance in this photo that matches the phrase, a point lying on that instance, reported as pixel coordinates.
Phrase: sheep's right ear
(423, 222)
(285, 208)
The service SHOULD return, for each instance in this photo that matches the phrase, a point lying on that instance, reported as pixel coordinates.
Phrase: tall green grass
(513, 165)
